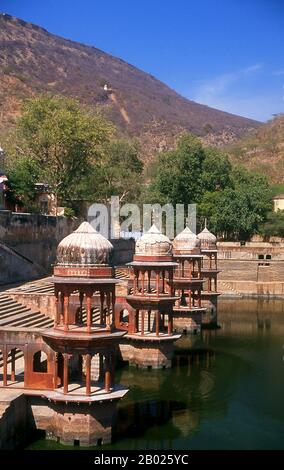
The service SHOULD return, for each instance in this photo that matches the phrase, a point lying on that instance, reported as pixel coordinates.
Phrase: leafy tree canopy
(234, 200)
(118, 173)
(62, 138)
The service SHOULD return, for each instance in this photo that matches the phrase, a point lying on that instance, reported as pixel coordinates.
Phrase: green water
(225, 390)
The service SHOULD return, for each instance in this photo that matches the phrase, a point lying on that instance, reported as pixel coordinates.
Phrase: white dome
(153, 243)
(186, 242)
(207, 239)
(85, 246)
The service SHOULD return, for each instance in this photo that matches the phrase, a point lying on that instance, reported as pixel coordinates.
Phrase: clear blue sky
(228, 54)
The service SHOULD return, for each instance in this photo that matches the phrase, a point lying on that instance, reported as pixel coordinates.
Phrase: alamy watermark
(114, 220)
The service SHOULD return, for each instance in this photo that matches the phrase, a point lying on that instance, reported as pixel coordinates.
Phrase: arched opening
(124, 316)
(60, 363)
(40, 362)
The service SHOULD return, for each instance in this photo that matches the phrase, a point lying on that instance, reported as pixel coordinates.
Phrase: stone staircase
(226, 288)
(13, 313)
(121, 273)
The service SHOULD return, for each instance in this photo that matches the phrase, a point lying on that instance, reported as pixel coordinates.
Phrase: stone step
(6, 302)
(14, 311)
(17, 320)
(25, 321)
(4, 298)
(39, 321)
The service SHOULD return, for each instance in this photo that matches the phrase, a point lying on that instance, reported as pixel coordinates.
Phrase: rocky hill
(32, 60)
(263, 150)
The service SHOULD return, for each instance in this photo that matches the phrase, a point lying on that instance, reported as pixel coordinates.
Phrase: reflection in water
(224, 391)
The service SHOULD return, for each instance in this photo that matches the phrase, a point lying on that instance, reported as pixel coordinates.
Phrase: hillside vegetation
(263, 151)
(33, 61)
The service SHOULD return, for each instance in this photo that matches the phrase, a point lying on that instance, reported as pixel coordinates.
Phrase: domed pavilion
(68, 370)
(187, 281)
(209, 269)
(85, 301)
(146, 313)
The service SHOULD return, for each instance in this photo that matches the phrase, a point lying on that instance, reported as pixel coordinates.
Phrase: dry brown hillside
(32, 60)
(263, 151)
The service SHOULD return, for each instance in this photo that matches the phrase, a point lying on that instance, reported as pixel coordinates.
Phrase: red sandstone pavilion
(67, 386)
(61, 379)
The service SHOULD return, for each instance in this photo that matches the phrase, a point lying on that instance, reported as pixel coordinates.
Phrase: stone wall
(250, 250)
(251, 277)
(28, 245)
(20, 413)
(35, 236)
(123, 251)
(16, 268)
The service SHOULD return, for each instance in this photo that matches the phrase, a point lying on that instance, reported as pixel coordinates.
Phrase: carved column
(142, 322)
(13, 360)
(107, 373)
(89, 311)
(81, 298)
(66, 306)
(88, 374)
(170, 324)
(102, 299)
(65, 372)
(56, 313)
(157, 323)
(5, 367)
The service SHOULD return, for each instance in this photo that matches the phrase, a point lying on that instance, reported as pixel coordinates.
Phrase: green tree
(22, 179)
(273, 226)
(63, 138)
(178, 173)
(217, 169)
(117, 173)
(240, 210)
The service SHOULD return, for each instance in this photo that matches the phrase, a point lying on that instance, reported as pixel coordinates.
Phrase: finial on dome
(205, 222)
(154, 229)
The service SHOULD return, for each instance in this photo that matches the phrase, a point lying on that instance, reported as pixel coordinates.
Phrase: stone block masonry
(34, 236)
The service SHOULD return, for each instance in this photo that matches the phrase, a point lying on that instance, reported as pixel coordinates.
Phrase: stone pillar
(66, 306)
(170, 324)
(57, 313)
(88, 374)
(13, 360)
(143, 282)
(89, 311)
(142, 322)
(108, 311)
(113, 305)
(107, 374)
(102, 299)
(65, 373)
(5, 367)
(62, 308)
(158, 283)
(157, 323)
(81, 299)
